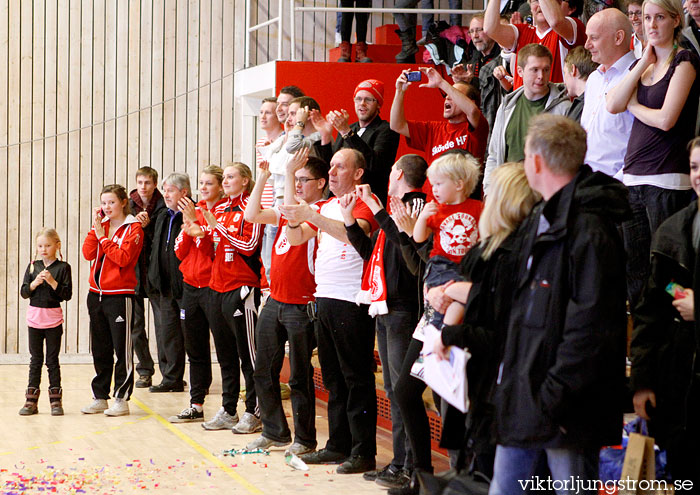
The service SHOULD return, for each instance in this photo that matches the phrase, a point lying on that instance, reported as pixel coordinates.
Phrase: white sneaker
(221, 421)
(264, 443)
(97, 406)
(249, 423)
(119, 408)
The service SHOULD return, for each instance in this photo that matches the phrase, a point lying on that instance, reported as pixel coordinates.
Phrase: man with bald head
(608, 39)
(344, 329)
(464, 126)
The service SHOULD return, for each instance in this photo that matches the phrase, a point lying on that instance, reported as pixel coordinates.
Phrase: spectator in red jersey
(463, 126)
(235, 282)
(551, 28)
(345, 329)
(285, 317)
(199, 315)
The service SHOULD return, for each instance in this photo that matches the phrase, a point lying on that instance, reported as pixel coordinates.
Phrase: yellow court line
(196, 446)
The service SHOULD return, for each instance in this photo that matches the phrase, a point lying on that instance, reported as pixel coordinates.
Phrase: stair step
(385, 35)
(378, 53)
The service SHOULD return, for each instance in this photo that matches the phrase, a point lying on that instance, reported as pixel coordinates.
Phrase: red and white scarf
(373, 289)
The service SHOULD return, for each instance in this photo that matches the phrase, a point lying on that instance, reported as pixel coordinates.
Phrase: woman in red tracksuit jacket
(113, 246)
(199, 314)
(235, 281)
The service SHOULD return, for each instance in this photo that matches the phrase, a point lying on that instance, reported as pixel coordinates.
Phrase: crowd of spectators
(557, 193)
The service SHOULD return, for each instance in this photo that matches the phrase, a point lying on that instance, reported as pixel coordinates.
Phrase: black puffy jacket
(562, 379)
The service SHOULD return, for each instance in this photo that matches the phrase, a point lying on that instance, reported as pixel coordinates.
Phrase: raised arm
(421, 231)
(504, 35)
(253, 210)
(558, 21)
(397, 119)
(618, 98)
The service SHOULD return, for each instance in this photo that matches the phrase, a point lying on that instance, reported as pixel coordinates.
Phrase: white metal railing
(293, 9)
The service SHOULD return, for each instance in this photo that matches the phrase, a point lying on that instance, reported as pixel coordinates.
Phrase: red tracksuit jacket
(114, 257)
(196, 256)
(236, 244)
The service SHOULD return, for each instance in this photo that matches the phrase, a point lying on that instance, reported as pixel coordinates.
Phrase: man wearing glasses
(634, 14)
(370, 135)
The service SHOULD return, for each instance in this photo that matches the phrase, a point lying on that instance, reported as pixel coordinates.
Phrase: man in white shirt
(345, 331)
(608, 39)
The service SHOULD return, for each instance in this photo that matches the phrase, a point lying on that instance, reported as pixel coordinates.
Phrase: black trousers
(408, 392)
(345, 335)
(145, 366)
(37, 337)
(239, 309)
(277, 324)
(170, 339)
(361, 20)
(111, 318)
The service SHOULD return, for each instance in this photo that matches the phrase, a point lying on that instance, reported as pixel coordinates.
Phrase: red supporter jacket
(196, 256)
(114, 257)
(236, 244)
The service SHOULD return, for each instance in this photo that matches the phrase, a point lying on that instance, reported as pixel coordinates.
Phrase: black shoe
(394, 478)
(143, 382)
(372, 475)
(167, 387)
(412, 488)
(357, 464)
(324, 456)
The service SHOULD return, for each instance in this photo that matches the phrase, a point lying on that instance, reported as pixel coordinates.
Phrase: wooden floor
(143, 452)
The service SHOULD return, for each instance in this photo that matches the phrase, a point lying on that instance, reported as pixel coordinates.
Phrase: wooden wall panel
(90, 90)
(4, 45)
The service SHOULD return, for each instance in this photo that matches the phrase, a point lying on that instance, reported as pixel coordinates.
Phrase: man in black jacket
(561, 383)
(146, 203)
(397, 314)
(165, 279)
(370, 135)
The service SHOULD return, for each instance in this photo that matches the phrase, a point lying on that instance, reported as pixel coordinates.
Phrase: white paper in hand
(448, 378)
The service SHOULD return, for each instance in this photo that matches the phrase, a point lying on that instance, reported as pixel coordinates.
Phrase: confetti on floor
(131, 477)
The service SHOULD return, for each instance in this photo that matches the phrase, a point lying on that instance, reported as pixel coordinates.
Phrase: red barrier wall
(332, 85)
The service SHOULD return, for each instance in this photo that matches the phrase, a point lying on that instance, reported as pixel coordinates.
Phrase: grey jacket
(558, 103)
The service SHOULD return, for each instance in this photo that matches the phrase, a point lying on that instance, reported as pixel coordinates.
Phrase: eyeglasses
(634, 13)
(476, 31)
(303, 180)
(365, 100)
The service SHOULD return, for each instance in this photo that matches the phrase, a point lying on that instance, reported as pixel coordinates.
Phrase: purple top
(652, 151)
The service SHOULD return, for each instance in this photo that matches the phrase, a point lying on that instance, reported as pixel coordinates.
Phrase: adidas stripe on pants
(110, 334)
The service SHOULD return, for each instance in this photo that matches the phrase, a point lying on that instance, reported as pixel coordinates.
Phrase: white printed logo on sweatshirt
(458, 233)
(282, 245)
(119, 319)
(460, 141)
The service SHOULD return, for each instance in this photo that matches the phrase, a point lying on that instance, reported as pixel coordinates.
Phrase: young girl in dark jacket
(47, 283)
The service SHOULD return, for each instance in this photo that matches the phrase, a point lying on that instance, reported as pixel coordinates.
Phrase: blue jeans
(267, 246)
(394, 334)
(516, 469)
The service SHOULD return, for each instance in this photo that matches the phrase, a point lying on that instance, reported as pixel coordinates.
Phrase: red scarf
(373, 290)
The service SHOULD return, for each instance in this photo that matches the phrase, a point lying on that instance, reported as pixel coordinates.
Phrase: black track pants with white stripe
(240, 310)
(111, 318)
